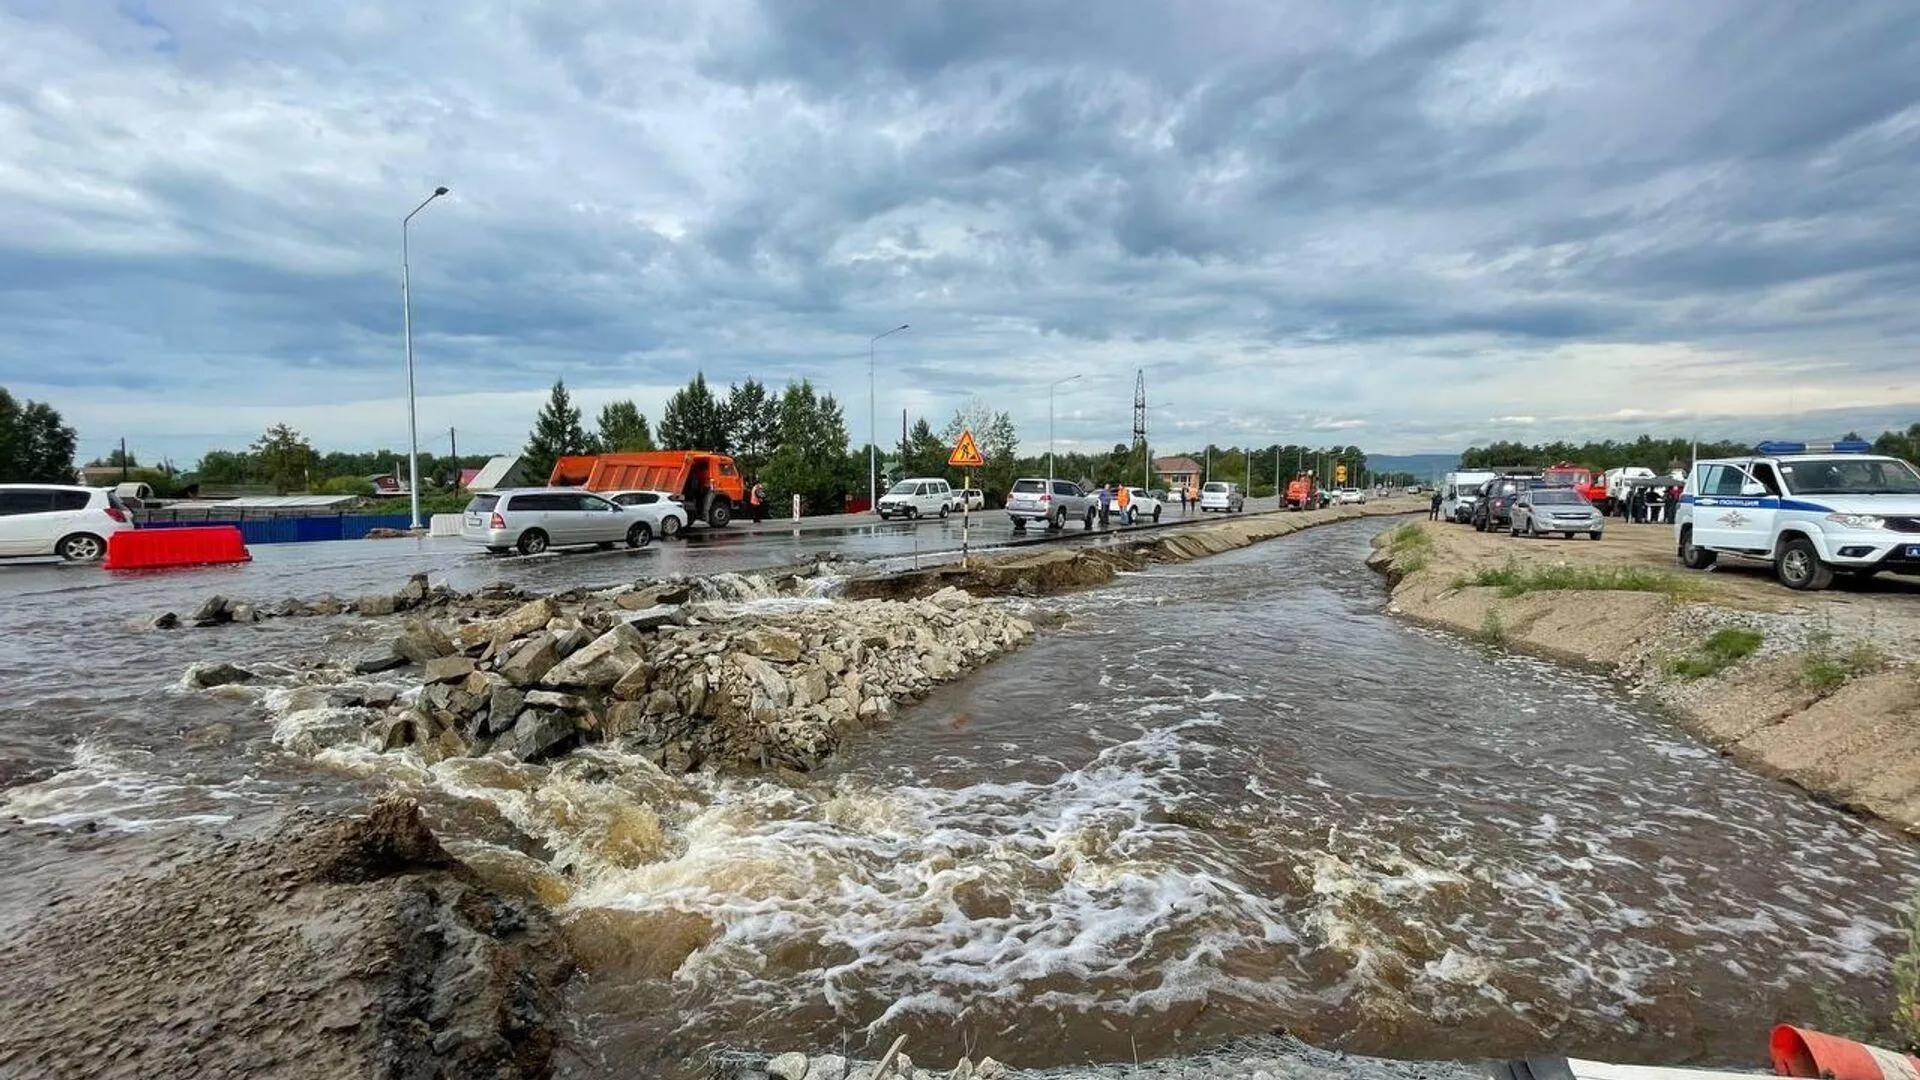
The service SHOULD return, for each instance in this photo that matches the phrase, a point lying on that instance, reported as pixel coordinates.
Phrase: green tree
(286, 458)
(813, 460)
(225, 467)
(623, 427)
(115, 459)
(694, 419)
(753, 424)
(999, 443)
(556, 432)
(924, 454)
(36, 446)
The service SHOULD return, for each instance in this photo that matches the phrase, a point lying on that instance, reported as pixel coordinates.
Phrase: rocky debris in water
(383, 659)
(1247, 1058)
(530, 660)
(211, 612)
(421, 642)
(242, 613)
(601, 663)
(788, 1066)
(374, 605)
(326, 604)
(166, 620)
(334, 948)
(655, 617)
(207, 676)
(446, 669)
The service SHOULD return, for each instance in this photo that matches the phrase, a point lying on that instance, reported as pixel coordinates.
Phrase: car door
(598, 521)
(24, 522)
(1733, 511)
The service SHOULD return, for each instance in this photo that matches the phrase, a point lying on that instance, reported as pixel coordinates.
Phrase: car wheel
(532, 542)
(1799, 566)
(1692, 557)
(1590, 536)
(82, 547)
(1156, 513)
(944, 511)
(1514, 530)
(1058, 521)
(669, 527)
(640, 535)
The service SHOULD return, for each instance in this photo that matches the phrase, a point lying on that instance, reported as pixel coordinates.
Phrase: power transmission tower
(1139, 407)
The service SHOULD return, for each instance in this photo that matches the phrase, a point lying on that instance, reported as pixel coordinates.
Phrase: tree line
(1649, 452)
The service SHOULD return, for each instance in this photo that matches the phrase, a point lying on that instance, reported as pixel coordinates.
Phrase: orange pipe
(1816, 1055)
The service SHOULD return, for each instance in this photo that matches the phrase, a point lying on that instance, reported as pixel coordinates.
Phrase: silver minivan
(531, 520)
(914, 497)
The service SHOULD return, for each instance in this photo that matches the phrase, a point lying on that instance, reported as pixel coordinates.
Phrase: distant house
(467, 477)
(1177, 472)
(387, 484)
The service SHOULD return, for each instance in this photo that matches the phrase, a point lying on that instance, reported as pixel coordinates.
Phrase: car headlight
(1858, 521)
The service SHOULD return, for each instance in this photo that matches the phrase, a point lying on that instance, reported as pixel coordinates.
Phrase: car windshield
(1216, 488)
(1030, 487)
(1559, 497)
(483, 503)
(1851, 476)
(902, 488)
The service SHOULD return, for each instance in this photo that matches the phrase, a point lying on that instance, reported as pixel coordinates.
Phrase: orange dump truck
(709, 485)
(1303, 493)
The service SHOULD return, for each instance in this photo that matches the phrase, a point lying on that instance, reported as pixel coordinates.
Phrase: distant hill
(1424, 466)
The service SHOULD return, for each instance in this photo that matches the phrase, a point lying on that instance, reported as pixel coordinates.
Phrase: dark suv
(1494, 510)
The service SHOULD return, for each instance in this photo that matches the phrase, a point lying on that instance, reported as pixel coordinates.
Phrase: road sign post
(966, 456)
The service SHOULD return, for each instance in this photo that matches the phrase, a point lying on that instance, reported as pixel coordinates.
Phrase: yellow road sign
(1339, 474)
(966, 453)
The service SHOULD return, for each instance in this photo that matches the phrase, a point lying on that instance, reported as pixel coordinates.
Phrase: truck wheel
(1799, 566)
(719, 513)
(1692, 557)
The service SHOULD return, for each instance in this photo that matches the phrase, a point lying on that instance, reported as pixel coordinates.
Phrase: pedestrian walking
(757, 502)
(1672, 505)
(1433, 507)
(1182, 496)
(1106, 505)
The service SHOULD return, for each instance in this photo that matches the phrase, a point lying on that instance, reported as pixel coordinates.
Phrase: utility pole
(453, 448)
(903, 444)
(125, 473)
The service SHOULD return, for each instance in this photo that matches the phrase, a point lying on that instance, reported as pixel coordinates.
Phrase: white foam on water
(113, 788)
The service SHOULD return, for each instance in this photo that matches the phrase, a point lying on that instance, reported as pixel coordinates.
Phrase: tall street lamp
(873, 436)
(1057, 384)
(406, 332)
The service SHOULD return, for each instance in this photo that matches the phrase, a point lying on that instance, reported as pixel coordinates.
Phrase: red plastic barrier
(155, 549)
(1813, 1054)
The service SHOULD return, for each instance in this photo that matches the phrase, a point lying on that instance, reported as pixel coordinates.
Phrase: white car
(1225, 498)
(534, 520)
(917, 497)
(1809, 509)
(973, 498)
(662, 509)
(59, 519)
(1350, 497)
(1142, 505)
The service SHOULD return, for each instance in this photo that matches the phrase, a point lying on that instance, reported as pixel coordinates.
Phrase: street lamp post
(1057, 384)
(406, 332)
(873, 436)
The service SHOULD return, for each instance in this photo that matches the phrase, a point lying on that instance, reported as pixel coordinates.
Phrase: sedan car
(1142, 505)
(1494, 510)
(1555, 510)
(661, 509)
(531, 520)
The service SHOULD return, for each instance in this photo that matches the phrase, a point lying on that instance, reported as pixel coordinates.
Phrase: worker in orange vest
(1121, 499)
(757, 502)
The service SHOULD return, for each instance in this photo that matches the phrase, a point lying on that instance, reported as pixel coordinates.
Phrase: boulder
(572, 639)
(211, 612)
(414, 593)
(538, 735)
(630, 718)
(421, 641)
(770, 644)
(951, 598)
(789, 1066)
(291, 607)
(809, 686)
(655, 617)
(503, 708)
(827, 1067)
(374, 605)
(989, 1069)
(385, 659)
(634, 682)
(327, 604)
(552, 699)
(391, 733)
(601, 663)
(206, 676)
(446, 669)
(166, 620)
(521, 621)
(531, 661)
(761, 674)
(243, 613)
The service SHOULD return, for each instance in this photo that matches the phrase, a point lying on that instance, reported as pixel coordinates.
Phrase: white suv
(1225, 498)
(919, 497)
(1808, 509)
(59, 519)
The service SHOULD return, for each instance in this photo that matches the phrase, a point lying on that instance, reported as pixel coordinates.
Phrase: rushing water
(1227, 797)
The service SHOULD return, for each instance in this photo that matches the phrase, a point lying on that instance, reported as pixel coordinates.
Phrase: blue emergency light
(1842, 446)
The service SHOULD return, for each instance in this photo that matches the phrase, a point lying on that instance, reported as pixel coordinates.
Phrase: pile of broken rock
(691, 683)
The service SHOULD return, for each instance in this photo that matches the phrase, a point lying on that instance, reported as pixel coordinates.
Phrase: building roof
(503, 471)
(1175, 465)
(262, 502)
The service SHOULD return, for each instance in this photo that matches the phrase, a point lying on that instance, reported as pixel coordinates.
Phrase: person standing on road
(1672, 505)
(757, 502)
(1433, 506)
(1106, 504)
(1122, 498)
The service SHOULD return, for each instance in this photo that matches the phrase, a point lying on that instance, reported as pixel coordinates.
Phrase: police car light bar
(1842, 446)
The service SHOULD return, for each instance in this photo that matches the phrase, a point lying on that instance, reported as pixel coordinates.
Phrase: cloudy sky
(1411, 225)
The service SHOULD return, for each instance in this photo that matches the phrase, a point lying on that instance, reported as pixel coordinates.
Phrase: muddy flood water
(1227, 797)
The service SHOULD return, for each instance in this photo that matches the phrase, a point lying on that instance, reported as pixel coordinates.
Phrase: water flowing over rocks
(1268, 1058)
(728, 669)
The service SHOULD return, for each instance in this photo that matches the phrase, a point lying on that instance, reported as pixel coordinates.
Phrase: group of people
(1189, 497)
(1650, 505)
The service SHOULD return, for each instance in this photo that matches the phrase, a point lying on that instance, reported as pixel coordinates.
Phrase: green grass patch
(1516, 580)
(1716, 654)
(1493, 629)
(1827, 665)
(1409, 548)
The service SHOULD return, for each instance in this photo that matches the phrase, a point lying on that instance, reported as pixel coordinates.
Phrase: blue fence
(292, 530)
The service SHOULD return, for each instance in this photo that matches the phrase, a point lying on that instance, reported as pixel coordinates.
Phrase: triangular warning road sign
(966, 453)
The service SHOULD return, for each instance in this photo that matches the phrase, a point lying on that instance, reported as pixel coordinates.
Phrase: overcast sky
(1409, 225)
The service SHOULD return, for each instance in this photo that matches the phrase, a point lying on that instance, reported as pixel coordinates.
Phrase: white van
(925, 496)
(1459, 491)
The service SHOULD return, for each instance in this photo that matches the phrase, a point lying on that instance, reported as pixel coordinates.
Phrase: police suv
(1810, 509)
